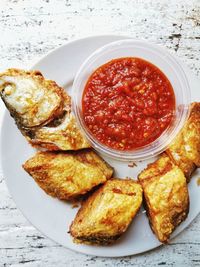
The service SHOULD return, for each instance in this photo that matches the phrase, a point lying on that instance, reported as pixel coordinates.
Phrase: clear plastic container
(166, 62)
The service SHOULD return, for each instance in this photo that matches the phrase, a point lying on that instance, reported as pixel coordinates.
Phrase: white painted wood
(29, 29)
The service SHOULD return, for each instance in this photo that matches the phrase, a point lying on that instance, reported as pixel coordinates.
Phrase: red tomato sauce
(127, 103)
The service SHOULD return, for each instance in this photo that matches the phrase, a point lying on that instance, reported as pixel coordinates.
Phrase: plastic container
(166, 62)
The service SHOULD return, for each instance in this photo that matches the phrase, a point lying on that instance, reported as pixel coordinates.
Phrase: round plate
(51, 216)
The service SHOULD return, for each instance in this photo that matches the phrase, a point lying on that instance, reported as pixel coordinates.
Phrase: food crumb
(75, 204)
(198, 181)
(132, 164)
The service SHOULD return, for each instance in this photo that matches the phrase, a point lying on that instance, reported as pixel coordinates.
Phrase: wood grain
(29, 29)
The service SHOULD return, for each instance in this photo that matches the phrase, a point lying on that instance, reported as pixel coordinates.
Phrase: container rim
(160, 144)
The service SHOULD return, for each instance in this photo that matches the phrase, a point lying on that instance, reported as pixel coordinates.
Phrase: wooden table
(28, 30)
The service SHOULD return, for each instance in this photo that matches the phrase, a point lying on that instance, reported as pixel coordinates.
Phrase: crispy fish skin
(185, 149)
(107, 213)
(166, 196)
(32, 100)
(68, 175)
(42, 110)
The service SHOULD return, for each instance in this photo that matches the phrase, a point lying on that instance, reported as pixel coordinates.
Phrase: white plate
(51, 216)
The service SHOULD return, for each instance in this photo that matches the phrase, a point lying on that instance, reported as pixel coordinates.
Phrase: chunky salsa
(127, 103)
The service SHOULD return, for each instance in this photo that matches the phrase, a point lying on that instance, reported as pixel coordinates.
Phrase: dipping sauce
(127, 103)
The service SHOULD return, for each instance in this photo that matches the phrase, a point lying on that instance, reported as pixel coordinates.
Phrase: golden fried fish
(165, 195)
(41, 109)
(108, 212)
(67, 175)
(31, 99)
(185, 149)
(63, 136)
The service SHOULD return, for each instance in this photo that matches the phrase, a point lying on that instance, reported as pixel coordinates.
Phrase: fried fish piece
(41, 109)
(67, 175)
(64, 136)
(185, 149)
(107, 213)
(31, 99)
(166, 196)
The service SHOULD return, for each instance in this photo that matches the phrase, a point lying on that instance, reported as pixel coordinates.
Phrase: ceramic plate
(51, 216)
